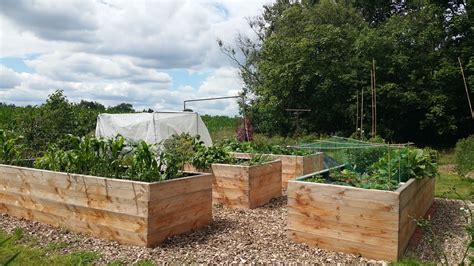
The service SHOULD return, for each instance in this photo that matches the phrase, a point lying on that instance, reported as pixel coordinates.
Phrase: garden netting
(375, 159)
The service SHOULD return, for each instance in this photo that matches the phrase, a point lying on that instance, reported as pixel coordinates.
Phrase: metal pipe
(209, 99)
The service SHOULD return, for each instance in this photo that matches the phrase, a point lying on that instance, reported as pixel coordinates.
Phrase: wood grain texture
(238, 186)
(373, 223)
(292, 165)
(415, 200)
(122, 210)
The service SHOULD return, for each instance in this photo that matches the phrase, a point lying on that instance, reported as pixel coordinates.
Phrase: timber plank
(87, 227)
(95, 201)
(366, 250)
(71, 183)
(180, 186)
(163, 222)
(156, 238)
(347, 219)
(343, 191)
(338, 200)
(326, 209)
(160, 207)
(118, 220)
(342, 231)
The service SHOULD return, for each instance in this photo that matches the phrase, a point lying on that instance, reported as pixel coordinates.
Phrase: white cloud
(89, 67)
(8, 78)
(119, 51)
(66, 20)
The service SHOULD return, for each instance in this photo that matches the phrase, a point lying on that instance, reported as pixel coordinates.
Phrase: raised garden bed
(130, 212)
(243, 186)
(374, 223)
(187, 167)
(293, 166)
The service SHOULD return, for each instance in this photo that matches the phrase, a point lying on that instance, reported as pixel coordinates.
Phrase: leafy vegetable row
(254, 147)
(395, 166)
(118, 158)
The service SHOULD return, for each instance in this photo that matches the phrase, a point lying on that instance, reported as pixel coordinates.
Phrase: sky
(152, 54)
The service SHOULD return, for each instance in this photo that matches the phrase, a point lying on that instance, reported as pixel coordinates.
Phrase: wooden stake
(372, 98)
(362, 114)
(465, 87)
(375, 100)
(357, 111)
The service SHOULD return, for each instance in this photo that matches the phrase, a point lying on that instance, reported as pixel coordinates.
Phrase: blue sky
(153, 54)
(17, 64)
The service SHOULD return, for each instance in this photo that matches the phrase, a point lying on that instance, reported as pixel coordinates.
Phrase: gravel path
(239, 236)
(448, 223)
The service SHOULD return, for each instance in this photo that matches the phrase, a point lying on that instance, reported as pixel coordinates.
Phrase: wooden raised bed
(129, 212)
(293, 166)
(373, 223)
(239, 186)
(190, 168)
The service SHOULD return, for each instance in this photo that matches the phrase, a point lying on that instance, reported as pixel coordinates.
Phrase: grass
(31, 254)
(446, 182)
(221, 127)
(446, 157)
(449, 184)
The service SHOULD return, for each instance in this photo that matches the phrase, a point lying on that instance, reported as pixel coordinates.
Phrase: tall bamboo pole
(465, 87)
(362, 114)
(375, 100)
(372, 98)
(357, 111)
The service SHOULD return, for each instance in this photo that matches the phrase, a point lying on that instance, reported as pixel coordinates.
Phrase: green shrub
(405, 163)
(464, 155)
(10, 150)
(204, 156)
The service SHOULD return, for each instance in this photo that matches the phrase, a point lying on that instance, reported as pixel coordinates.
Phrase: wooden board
(121, 210)
(237, 186)
(293, 166)
(376, 224)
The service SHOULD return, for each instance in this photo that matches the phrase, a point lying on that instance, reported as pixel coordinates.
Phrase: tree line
(41, 125)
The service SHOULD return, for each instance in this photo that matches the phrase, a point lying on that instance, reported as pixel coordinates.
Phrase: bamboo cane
(362, 114)
(465, 87)
(375, 101)
(357, 111)
(372, 98)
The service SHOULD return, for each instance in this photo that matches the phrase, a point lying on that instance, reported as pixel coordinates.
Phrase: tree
(121, 108)
(318, 55)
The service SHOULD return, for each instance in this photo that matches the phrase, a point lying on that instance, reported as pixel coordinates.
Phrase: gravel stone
(238, 236)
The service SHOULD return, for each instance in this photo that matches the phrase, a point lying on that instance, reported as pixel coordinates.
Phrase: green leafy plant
(361, 159)
(179, 148)
(316, 179)
(10, 150)
(205, 156)
(255, 159)
(261, 147)
(111, 158)
(144, 165)
(397, 165)
(402, 164)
